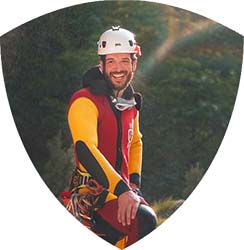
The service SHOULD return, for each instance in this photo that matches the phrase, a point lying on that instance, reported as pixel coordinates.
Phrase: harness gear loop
(83, 197)
(79, 180)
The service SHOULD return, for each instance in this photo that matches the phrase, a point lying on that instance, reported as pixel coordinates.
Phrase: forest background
(188, 75)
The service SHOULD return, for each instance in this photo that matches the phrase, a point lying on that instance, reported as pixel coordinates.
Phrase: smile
(118, 75)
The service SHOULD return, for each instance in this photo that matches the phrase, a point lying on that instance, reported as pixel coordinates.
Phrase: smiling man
(104, 122)
(118, 69)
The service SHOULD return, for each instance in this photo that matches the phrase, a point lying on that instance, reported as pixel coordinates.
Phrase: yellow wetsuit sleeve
(83, 120)
(135, 160)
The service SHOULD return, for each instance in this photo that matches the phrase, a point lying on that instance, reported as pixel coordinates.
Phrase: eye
(110, 61)
(126, 61)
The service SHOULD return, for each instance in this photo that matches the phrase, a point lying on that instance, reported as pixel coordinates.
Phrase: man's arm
(128, 202)
(135, 159)
(83, 120)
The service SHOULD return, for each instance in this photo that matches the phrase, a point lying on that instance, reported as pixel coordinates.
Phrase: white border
(212, 218)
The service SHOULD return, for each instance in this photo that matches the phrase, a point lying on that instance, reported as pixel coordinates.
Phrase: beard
(118, 85)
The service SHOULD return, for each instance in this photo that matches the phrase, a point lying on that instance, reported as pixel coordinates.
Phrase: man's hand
(133, 186)
(128, 203)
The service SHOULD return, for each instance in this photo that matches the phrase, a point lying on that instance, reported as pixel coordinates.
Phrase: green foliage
(188, 101)
(59, 167)
(192, 177)
(188, 94)
(165, 207)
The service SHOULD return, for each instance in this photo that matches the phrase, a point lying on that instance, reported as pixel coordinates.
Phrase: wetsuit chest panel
(114, 131)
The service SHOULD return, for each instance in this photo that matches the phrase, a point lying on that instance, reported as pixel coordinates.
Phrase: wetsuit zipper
(119, 158)
(119, 144)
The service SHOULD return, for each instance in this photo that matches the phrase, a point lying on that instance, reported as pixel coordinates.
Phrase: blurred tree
(180, 26)
(58, 169)
(192, 177)
(186, 112)
(188, 74)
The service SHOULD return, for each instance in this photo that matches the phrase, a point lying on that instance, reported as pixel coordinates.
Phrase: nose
(118, 67)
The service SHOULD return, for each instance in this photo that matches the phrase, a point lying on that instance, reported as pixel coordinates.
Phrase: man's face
(119, 69)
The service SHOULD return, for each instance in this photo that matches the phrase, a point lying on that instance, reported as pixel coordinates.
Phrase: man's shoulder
(81, 92)
(84, 92)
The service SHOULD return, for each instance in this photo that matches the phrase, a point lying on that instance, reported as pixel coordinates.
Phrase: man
(103, 120)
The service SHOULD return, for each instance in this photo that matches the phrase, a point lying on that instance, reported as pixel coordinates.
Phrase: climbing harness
(83, 197)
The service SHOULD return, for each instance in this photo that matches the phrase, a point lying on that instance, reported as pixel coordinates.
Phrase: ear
(101, 65)
(134, 65)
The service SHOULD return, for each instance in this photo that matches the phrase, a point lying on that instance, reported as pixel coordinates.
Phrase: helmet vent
(116, 40)
(104, 44)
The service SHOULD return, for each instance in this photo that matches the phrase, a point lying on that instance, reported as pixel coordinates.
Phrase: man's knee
(147, 220)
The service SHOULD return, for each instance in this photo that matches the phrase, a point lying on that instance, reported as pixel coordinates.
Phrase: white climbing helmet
(118, 40)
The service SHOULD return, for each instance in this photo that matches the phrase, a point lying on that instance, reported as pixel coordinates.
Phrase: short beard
(118, 88)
